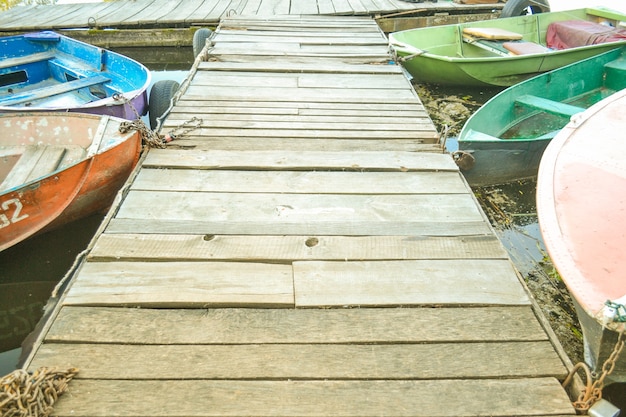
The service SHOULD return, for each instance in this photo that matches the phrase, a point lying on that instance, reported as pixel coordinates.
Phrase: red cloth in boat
(573, 33)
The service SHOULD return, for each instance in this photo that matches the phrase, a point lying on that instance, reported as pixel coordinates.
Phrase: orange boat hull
(77, 191)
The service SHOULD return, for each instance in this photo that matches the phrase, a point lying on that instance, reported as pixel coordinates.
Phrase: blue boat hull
(47, 71)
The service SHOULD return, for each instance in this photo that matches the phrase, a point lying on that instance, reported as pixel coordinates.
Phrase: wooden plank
(499, 397)
(251, 143)
(329, 65)
(295, 124)
(234, 110)
(277, 326)
(48, 162)
(296, 227)
(416, 282)
(24, 166)
(273, 7)
(326, 95)
(342, 81)
(312, 38)
(307, 60)
(299, 182)
(304, 361)
(294, 160)
(52, 90)
(297, 208)
(303, 7)
(157, 11)
(305, 121)
(28, 59)
(182, 284)
(313, 108)
(294, 49)
(285, 249)
(296, 134)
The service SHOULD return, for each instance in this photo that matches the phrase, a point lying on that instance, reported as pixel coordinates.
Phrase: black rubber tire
(199, 40)
(160, 98)
(523, 7)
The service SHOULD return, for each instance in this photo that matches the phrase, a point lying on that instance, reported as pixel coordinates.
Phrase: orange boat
(59, 167)
(581, 205)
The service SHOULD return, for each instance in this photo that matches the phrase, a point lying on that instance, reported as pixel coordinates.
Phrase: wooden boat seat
(501, 42)
(39, 161)
(615, 74)
(53, 90)
(548, 106)
(524, 48)
(494, 34)
(24, 60)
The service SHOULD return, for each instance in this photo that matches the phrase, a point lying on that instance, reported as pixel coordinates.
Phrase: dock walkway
(308, 251)
(169, 14)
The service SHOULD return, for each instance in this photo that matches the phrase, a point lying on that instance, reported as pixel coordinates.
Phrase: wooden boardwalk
(185, 13)
(309, 251)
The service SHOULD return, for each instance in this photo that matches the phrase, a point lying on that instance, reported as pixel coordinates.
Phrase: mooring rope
(26, 394)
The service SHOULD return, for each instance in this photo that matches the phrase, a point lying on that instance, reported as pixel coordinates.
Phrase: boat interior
(22, 164)
(45, 75)
(602, 27)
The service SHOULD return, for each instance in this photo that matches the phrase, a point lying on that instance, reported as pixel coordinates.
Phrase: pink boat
(581, 204)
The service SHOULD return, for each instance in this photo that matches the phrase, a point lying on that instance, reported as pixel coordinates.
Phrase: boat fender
(160, 100)
(200, 37)
(514, 8)
(464, 160)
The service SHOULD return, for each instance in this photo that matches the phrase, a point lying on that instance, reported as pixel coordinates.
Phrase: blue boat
(47, 71)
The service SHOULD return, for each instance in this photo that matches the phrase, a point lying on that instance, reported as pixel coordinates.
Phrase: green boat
(503, 52)
(505, 138)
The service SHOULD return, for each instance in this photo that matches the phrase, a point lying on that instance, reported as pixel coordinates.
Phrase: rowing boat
(503, 52)
(581, 201)
(59, 167)
(46, 71)
(506, 137)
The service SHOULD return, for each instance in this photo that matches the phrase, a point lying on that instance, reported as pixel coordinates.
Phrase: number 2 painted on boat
(15, 216)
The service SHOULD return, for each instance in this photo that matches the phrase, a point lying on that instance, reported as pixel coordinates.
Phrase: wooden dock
(308, 251)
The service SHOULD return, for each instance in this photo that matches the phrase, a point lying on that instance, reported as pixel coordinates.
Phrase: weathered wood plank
(296, 134)
(330, 228)
(326, 95)
(313, 37)
(298, 208)
(304, 361)
(328, 65)
(293, 160)
(240, 114)
(182, 284)
(500, 397)
(301, 182)
(251, 143)
(417, 282)
(294, 124)
(278, 326)
(250, 79)
(284, 249)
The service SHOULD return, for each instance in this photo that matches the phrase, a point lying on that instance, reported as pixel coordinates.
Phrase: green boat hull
(507, 136)
(438, 54)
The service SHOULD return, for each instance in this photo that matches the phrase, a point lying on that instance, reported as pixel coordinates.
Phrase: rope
(25, 394)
